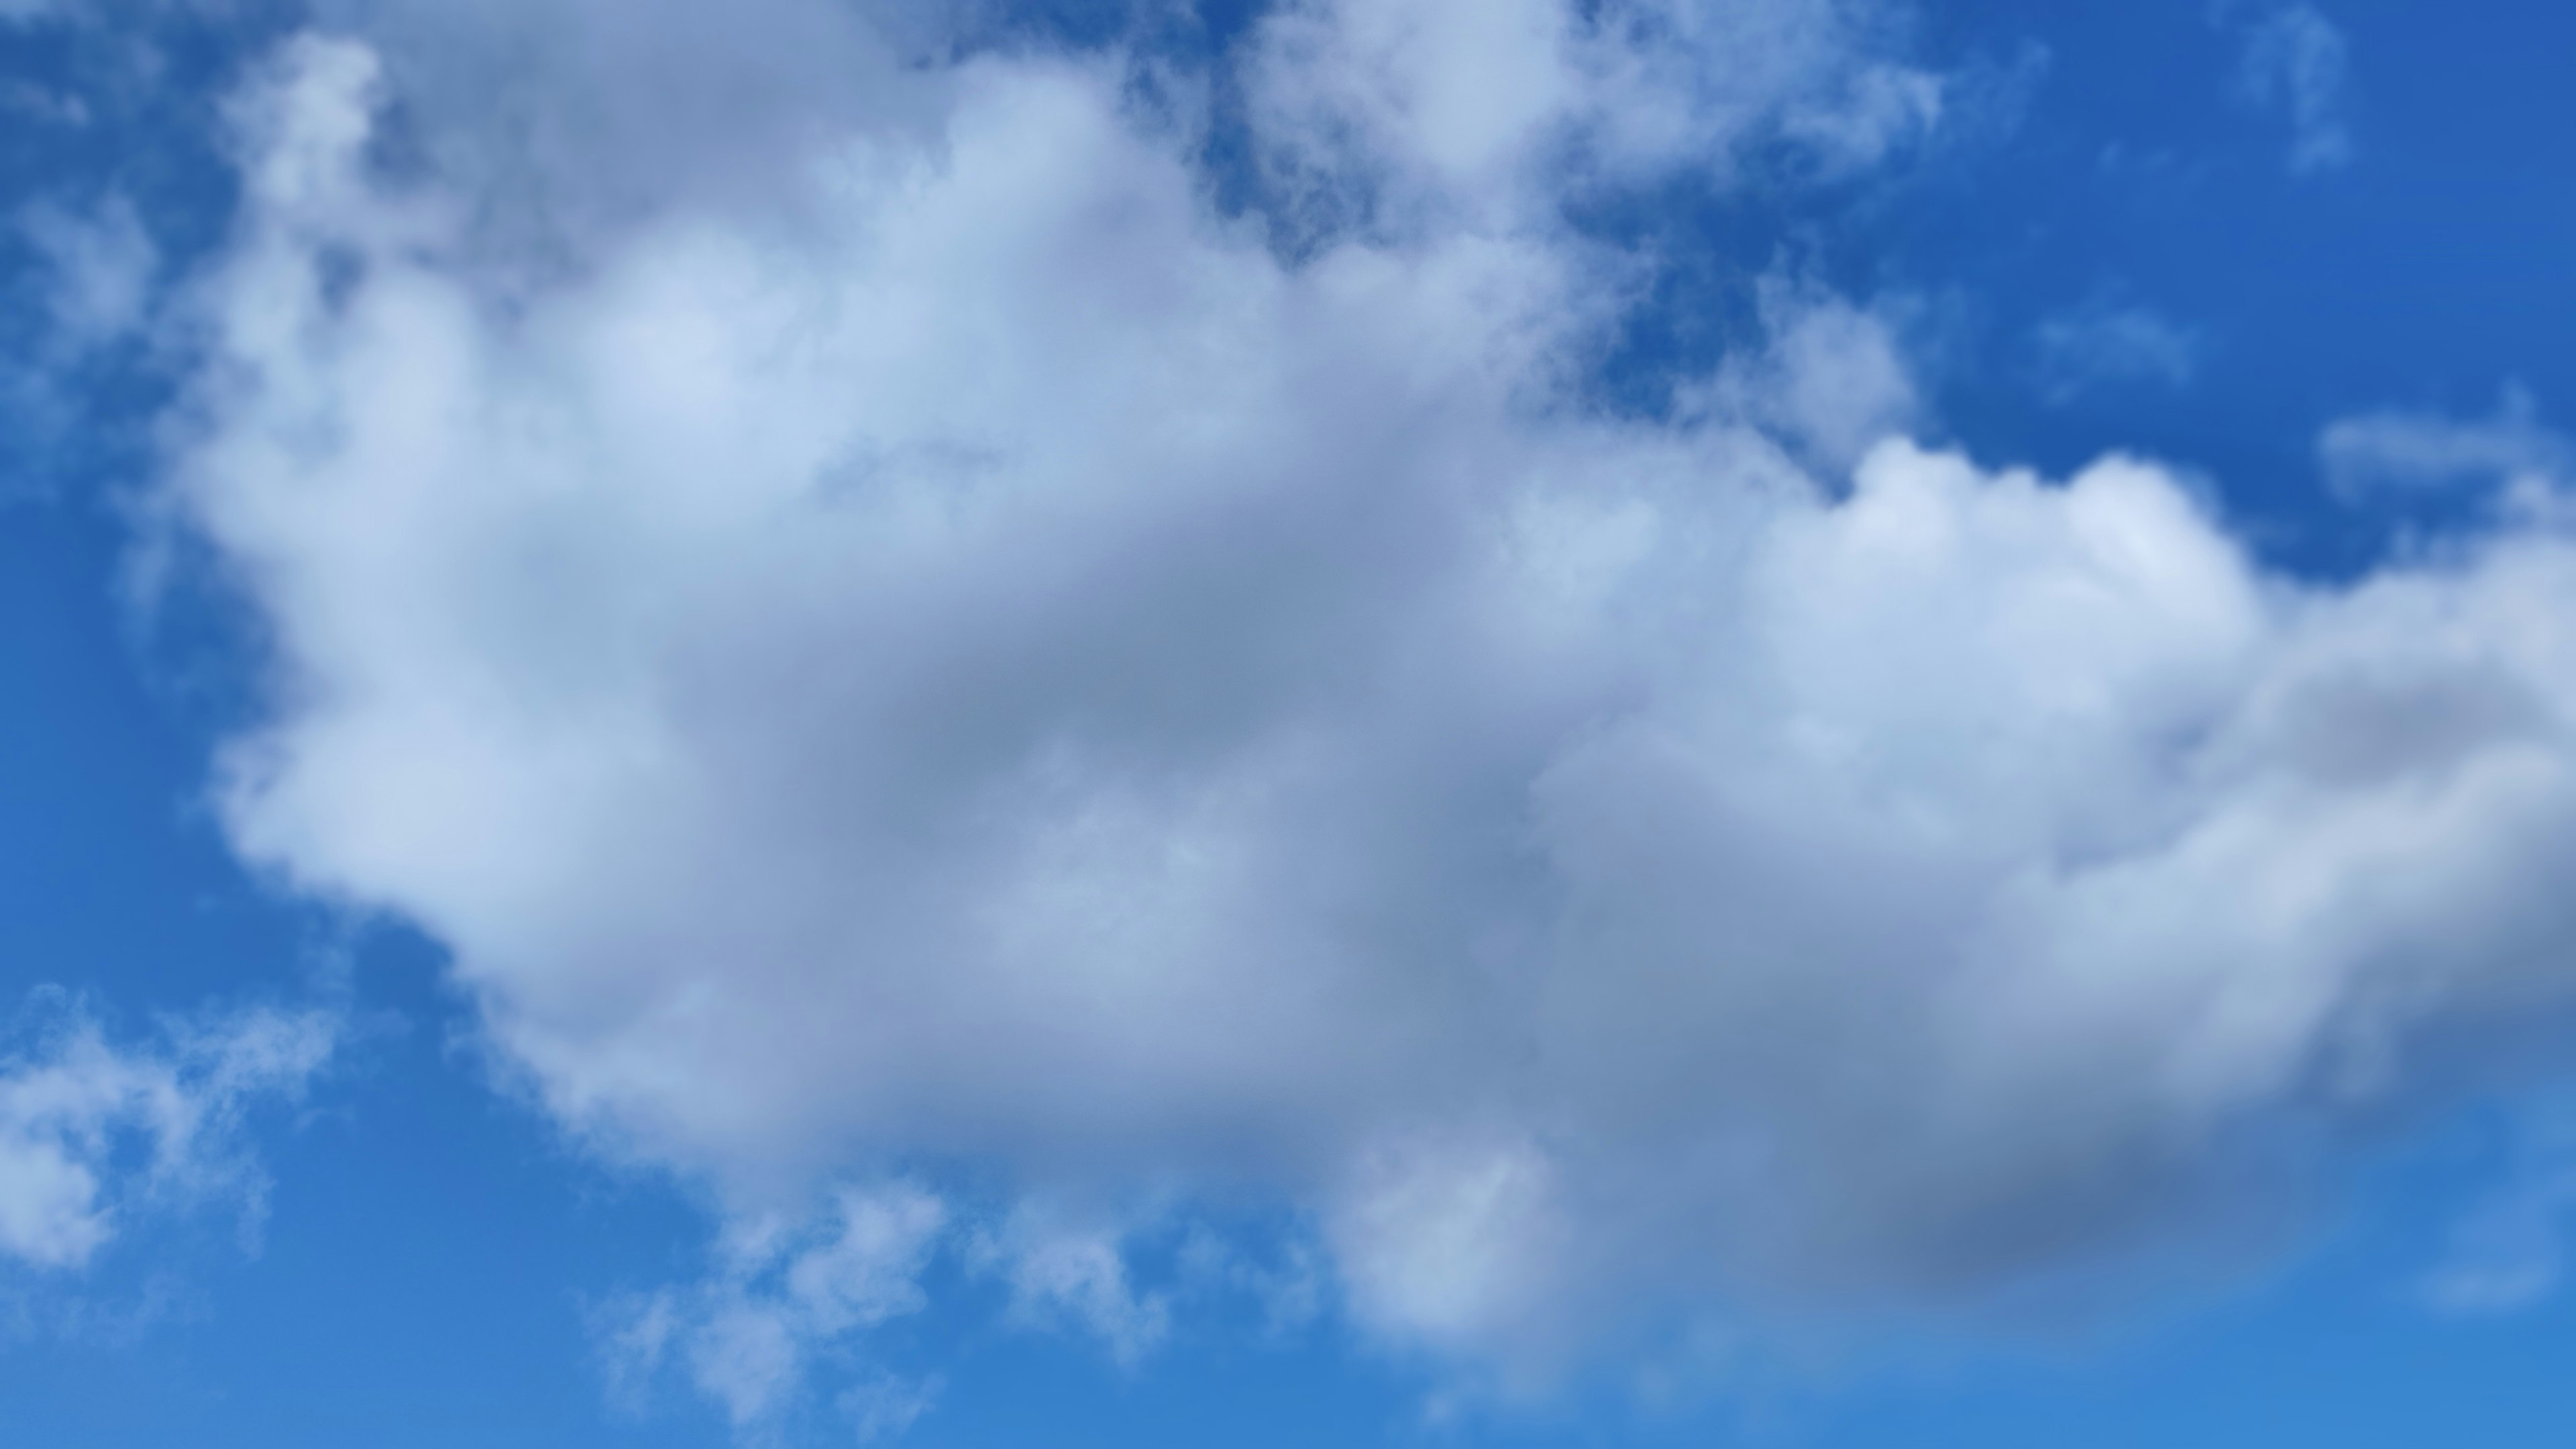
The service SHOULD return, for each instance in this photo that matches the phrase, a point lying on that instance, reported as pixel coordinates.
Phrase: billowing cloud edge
(1164, 704)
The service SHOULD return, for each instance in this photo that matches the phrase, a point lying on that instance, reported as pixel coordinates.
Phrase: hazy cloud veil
(882, 624)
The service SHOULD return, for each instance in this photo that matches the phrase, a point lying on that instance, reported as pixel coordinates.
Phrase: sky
(1822, 724)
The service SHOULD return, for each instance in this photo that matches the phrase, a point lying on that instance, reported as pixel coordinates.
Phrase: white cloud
(1066, 1271)
(961, 649)
(1449, 112)
(93, 1136)
(1829, 379)
(2398, 452)
(785, 1295)
(788, 1322)
(2299, 60)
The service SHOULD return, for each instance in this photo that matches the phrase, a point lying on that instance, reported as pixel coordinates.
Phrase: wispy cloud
(1072, 1272)
(90, 290)
(95, 1136)
(2510, 1253)
(785, 1295)
(2298, 61)
(2107, 341)
(2403, 452)
(98, 273)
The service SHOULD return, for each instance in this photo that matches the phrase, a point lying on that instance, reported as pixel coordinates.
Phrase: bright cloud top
(965, 651)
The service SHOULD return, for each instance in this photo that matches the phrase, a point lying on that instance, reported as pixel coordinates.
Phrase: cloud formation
(93, 1134)
(784, 1294)
(2107, 342)
(88, 292)
(948, 645)
(2298, 60)
(1443, 111)
(2396, 453)
(101, 267)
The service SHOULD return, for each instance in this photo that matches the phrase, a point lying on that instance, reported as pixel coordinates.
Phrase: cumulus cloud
(965, 651)
(94, 1135)
(2298, 60)
(2395, 453)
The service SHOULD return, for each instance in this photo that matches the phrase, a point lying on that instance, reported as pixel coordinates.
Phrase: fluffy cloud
(92, 1134)
(958, 648)
(1829, 380)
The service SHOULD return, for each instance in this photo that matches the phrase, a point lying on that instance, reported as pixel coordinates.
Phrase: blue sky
(1401, 723)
